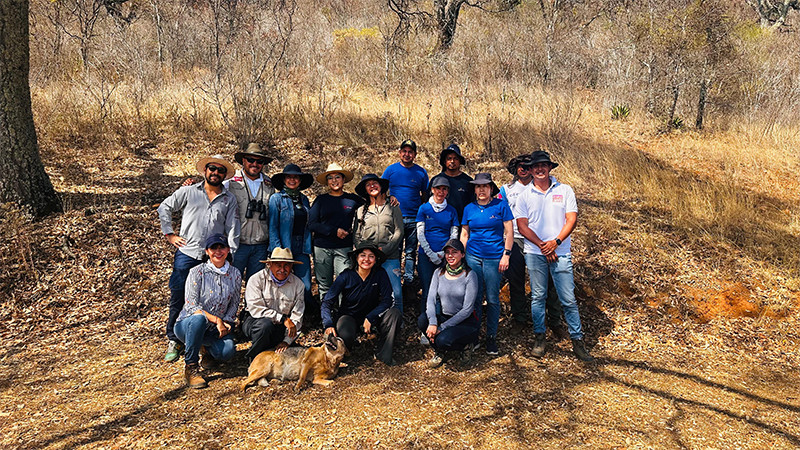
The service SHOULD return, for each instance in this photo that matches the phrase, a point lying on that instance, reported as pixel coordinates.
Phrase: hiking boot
(580, 351)
(491, 346)
(436, 361)
(207, 362)
(193, 377)
(538, 346)
(174, 349)
(466, 355)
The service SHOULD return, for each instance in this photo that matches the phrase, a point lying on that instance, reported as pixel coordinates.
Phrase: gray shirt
(201, 217)
(457, 297)
(213, 291)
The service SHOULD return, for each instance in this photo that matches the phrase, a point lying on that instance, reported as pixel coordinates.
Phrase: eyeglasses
(254, 160)
(219, 169)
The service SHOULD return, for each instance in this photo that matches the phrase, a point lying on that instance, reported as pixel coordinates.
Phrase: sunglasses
(254, 160)
(218, 169)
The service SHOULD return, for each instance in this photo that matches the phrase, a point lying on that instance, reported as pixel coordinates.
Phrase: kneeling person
(366, 299)
(275, 304)
(451, 325)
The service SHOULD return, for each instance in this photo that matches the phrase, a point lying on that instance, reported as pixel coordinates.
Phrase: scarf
(219, 270)
(437, 207)
(457, 270)
(293, 194)
(277, 281)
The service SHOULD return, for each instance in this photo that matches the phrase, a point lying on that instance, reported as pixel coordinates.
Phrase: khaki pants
(328, 264)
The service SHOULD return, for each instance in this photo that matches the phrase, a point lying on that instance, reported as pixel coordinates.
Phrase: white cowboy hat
(281, 255)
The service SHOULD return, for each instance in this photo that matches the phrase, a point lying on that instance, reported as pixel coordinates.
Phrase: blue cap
(215, 239)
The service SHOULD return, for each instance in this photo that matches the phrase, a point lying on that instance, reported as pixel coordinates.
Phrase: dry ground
(682, 362)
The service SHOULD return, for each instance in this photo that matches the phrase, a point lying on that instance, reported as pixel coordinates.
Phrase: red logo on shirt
(237, 178)
(558, 199)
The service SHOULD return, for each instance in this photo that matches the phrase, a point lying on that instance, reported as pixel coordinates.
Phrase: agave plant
(620, 112)
(676, 123)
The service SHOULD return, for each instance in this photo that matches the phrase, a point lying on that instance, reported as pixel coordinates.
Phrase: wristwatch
(558, 241)
(507, 251)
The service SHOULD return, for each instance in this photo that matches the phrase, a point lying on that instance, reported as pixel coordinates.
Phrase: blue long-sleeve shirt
(361, 299)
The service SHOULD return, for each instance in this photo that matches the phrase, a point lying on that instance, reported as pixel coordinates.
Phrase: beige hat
(334, 168)
(218, 159)
(281, 255)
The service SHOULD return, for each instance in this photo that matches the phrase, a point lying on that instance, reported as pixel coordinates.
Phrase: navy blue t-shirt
(486, 228)
(437, 225)
(360, 298)
(407, 185)
(328, 214)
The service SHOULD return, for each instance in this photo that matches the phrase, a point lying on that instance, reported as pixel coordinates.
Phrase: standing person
(408, 182)
(546, 215)
(288, 223)
(366, 303)
(208, 208)
(274, 305)
(451, 324)
(437, 222)
(206, 318)
(487, 234)
(252, 190)
(520, 167)
(461, 193)
(331, 221)
(380, 224)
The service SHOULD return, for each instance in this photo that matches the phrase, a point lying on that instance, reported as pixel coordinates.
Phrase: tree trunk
(446, 20)
(23, 179)
(701, 103)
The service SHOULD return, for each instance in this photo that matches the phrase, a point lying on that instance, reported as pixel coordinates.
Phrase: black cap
(409, 143)
(455, 244)
(521, 160)
(215, 239)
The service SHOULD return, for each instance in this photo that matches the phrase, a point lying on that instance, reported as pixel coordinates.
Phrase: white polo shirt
(511, 194)
(546, 213)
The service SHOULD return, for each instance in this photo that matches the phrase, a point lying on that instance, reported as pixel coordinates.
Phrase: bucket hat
(380, 257)
(542, 156)
(485, 178)
(521, 160)
(253, 149)
(361, 186)
(216, 159)
(452, 148)
(306, 179)
(334, 168)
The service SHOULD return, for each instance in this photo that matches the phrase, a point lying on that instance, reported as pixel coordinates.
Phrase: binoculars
(253, 207)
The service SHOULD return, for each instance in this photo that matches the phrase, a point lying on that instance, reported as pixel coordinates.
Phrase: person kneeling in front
(275, 304)
(366, 300)
(451, 324)
(212, 298)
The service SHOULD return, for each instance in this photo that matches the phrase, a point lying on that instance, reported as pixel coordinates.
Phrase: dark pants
(409, 247)
(388, 328)
(454, 338)
(521, 303)
(263, 332)
(181, 266)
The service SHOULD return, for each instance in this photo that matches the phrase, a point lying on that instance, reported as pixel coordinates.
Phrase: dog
(320, 364)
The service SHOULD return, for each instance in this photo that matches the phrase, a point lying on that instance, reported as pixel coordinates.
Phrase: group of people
(461, 235)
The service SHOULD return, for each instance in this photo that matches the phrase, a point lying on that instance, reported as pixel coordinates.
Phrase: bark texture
(23, 179)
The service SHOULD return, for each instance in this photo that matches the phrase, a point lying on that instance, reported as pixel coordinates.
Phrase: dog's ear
(331, 342)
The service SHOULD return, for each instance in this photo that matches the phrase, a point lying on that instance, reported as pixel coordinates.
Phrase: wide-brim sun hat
(306, 179)
(485, 178)
(280, 254)
(380, 257)
(452, 148)
(361, 188)
(216, 159)
(334, 168)
(253, 149)
(540, 156)
(521, 160)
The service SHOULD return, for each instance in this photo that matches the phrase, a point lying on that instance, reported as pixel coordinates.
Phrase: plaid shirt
(212, 292)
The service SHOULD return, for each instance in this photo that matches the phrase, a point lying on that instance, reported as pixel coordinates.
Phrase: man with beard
(208, 208)
(461, 192)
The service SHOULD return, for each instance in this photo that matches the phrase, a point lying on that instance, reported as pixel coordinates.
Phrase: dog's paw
(263, 382)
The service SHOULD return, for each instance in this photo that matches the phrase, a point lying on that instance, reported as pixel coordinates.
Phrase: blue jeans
(303, 271)
(489, 278)
(561, 271)
(195, 331)
(410, 247)
(425, 268)
(247, 258)
(181, 266)
(392, 267)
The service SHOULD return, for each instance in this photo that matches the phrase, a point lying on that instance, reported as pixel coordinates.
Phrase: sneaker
(424, 340)
(539, 346)
(193, 377)
(436, 361)
(580, 351)
(174, 350)
(491, 346)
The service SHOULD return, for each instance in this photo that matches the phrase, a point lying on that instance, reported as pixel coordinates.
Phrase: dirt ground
(81, 364)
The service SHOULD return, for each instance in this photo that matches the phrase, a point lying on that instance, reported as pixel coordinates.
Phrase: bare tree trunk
(675, 91)
(701, 103)
(446, 20)
(23, 179)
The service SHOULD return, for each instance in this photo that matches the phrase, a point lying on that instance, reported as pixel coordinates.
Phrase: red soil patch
(733, 302)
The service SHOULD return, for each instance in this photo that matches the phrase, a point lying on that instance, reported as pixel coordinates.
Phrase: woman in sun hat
(488, 234)
(288, 222)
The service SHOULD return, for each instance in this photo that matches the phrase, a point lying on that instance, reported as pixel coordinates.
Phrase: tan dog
(299, 363)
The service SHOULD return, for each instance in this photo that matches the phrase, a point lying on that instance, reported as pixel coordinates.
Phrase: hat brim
(201, 166)
(239, 156)
(495, 189)
(323, 177)
(445, 152)
(379, 255)
(270, 260)
(362, 190)
(306, 180)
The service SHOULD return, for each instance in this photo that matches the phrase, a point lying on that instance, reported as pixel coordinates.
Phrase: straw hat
(217, 159)
(334, 168)
(281, 255)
